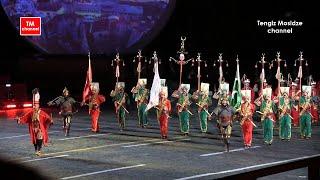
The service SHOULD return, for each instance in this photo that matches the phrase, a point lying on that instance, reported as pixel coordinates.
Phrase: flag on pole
(236, 90)
(155, 89)
(262, 75)
(300, 72)
(117, 71)
(278, 74)
(220, 74)
(86, 89)
(139, 67)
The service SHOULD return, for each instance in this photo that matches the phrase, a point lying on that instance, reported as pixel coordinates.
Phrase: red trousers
(95, 120)
(163, 125)
(295, 115)
(247, 129)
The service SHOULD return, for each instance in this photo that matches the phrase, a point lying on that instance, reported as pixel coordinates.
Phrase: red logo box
(30, 26)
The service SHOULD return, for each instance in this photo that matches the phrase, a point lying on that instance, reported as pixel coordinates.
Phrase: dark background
(211, 27)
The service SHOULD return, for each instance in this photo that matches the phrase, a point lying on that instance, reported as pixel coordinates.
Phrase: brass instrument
(283, 109)
(268, 110)
(185, 103)
(304, 108)
(121, 102)
(161, 108)
(141, 98)
(258, 100)
(246, 113)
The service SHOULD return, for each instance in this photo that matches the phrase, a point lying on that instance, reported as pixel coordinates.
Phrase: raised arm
(26, 118)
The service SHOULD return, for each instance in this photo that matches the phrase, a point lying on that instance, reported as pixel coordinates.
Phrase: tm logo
(30, 26)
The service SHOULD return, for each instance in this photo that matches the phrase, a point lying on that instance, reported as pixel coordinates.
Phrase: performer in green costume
(141, 95)
(183, 107)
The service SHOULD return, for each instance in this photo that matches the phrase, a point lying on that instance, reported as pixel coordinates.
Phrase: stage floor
(138, 153)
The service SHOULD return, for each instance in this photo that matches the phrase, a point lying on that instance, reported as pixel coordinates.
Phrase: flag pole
(117, 60)
(198, 60)
(139, 57)
(156, 84)
(220, 61)
(278, 60)
(300, 73)
(262, 75)
(181, 62)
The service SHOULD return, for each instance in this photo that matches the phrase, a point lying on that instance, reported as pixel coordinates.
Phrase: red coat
(163, 119)
(44, 122)
(95, 100)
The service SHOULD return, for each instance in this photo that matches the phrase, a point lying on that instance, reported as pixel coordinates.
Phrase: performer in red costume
(246, 83)
(247, 110)
(315, 100)
(94, 100)
(163, 111)
(295, 96)
(38, 122)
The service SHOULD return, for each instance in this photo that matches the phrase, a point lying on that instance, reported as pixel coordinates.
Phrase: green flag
(236, 90)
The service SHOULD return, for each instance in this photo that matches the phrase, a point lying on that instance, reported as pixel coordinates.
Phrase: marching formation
(291, 103)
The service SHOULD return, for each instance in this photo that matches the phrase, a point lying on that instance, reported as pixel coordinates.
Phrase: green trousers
(267, 125)
(142, 115)
(184, 121)
(285, 127)
(121, 118)
(203, 116)
(305, 125)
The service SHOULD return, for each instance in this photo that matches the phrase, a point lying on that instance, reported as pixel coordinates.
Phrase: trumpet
(120, 104)
(304, 108)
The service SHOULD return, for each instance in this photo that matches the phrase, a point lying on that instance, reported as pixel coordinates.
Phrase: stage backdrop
(99, 26)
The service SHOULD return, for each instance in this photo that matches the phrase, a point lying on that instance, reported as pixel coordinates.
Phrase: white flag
(220, 74)
(300, 72)
(155, 89)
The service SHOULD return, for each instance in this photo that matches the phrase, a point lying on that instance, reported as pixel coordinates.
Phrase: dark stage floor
(140, 153)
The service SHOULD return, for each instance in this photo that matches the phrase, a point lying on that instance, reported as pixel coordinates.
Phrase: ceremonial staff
(139, 58)
(199, 69)
(117, 60)
(220, 61)
(300, 59)
(262, 75)
(289, 81)
(278, 74)
(181, 60)
(155, 58)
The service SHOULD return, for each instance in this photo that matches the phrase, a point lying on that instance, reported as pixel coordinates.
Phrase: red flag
(86, 89)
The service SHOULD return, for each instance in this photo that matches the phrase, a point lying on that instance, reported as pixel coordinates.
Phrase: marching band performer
(38, 122)
(295, 96)
(67, 108)
(285, 104)
(120, 99)
(223, 92)
(305, 114)
(163, 111)
(224, 114)
(246, 112)
(141, 95)
(267, 110)
(184, 101)
(246, 83)
(315, 100)
(203, 102)
(94, 101)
